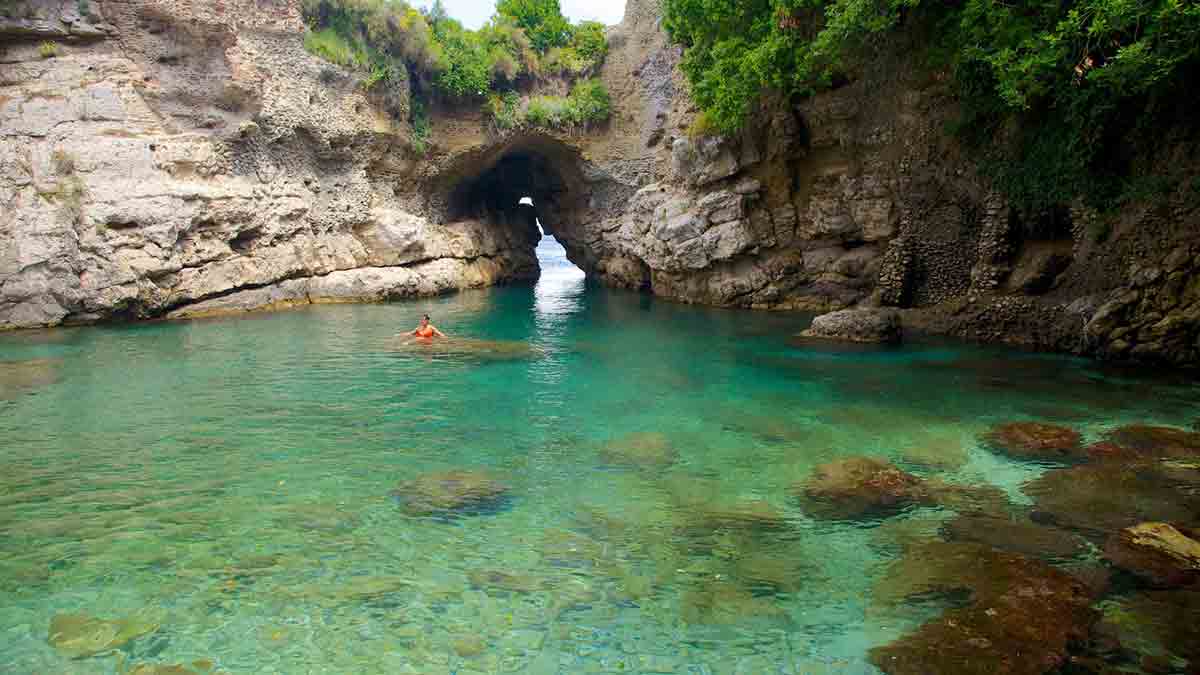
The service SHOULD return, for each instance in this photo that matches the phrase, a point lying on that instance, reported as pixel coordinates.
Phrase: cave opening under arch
(530, 184)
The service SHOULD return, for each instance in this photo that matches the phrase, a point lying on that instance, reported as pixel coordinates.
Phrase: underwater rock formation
(1034, 440)
(1100, 498)
(649, 450)
(1157, 441)
(449, 493)
(1158, 553)
(82, 635)
(860, 487)
(1023, 617)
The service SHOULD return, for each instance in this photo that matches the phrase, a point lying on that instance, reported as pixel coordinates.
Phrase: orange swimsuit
(426, 332)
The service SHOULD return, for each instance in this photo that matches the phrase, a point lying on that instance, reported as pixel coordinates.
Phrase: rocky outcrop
(1156, 552)
(182, 158)
(856, 325)
(200, 161)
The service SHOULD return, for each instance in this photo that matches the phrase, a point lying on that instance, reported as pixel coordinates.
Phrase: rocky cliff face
(180, 158)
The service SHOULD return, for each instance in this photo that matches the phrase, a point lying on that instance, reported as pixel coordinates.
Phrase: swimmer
(426, 329)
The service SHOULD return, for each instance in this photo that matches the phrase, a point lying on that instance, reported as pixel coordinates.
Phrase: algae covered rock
(473, 349)
(1156, 552)
(651, 450)
(1155, 623)
(1017, 535)
(82, 635)
(1022, 617)
(450, 492)
(1100, 498)
(856, 325)
(1157, 441)
(19, 377)
(746, 514)
(860, 487)
(1034, 440)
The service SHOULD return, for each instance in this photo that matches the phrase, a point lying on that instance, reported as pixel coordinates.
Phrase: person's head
(425, 320)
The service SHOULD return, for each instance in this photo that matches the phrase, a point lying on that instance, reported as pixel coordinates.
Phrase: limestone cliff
(185, 157)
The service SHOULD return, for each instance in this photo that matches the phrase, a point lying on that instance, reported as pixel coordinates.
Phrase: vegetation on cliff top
(524, 40)
(427, 54)
(587, 104)
(1070, 88)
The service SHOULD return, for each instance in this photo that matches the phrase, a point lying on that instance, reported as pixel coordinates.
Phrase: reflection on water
(583, 481)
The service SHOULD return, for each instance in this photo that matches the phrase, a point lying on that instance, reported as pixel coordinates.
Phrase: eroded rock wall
(859, 196)
(191, 155)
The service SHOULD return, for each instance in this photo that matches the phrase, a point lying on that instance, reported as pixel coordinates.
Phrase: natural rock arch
(487, 185)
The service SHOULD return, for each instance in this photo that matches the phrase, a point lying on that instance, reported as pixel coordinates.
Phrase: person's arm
(438, 332)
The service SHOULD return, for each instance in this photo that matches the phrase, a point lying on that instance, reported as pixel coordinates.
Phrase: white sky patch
(473, 13)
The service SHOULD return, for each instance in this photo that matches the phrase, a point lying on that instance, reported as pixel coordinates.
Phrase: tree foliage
(1076, 76)
(389, 36)
(542, 21)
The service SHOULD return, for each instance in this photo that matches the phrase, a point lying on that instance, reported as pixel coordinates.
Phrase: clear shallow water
(228, 481)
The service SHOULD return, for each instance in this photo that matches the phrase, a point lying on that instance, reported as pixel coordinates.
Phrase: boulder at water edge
(856, 325)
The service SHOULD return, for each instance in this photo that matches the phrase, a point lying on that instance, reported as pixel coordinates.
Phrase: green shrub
(390, 41)
(542, 21)
(48, 49)
(590, 101)
(419, 119)
(504, 110)
(328, 44)
(588, 40)
(587, 104)
(702, 126)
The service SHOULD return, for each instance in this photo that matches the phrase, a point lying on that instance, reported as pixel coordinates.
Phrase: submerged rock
(982, 497)
(1155, 623)
(746, 514)
(19, 377)
(1156, 552)
(449, 492)
(722, 601)
(1100, 498)
(197, 668)
(1022, 616)
(856, 325)
(1157, 441)
(1014, 535)
(82, 635)
(860, 487)
(468, 348)
(506, 581)
(644, 449)
(1034, 440)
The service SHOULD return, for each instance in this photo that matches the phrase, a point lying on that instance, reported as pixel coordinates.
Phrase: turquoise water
(228, 483)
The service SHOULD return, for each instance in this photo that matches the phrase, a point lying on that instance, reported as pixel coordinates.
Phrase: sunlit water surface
(228, 481)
